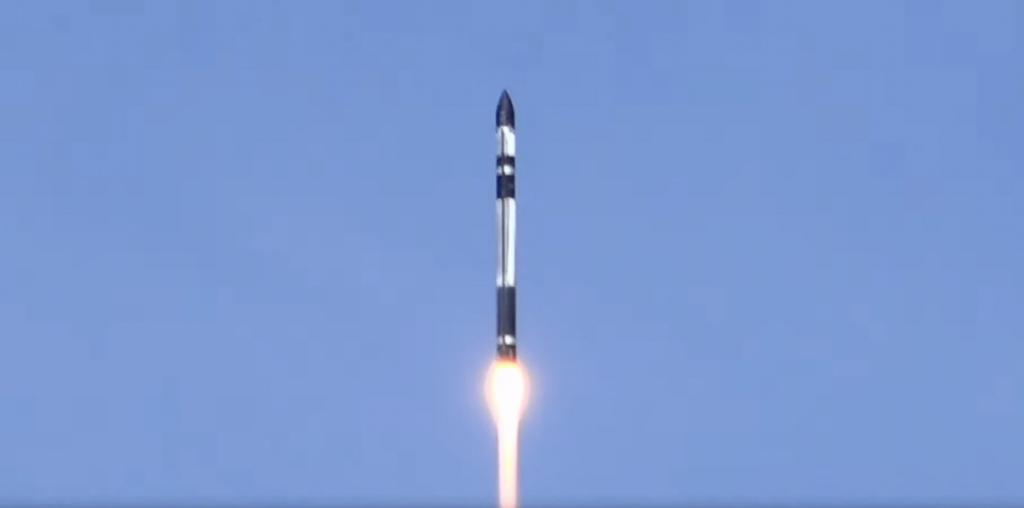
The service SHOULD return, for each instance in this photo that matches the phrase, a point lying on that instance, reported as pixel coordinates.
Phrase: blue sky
(768, 251)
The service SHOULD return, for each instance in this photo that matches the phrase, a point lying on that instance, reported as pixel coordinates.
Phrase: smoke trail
(507, 394)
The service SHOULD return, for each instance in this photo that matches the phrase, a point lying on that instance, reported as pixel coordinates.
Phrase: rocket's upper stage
(506, 115)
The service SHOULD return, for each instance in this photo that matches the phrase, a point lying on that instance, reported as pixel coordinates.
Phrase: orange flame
(507, 393)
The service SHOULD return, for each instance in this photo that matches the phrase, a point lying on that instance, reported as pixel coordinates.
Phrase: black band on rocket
(506, 160)
(506, 311)
(506, 186)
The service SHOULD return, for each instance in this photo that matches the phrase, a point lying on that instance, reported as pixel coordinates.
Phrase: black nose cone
(506, 116)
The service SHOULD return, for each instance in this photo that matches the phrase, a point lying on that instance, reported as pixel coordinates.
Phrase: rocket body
(505, 120)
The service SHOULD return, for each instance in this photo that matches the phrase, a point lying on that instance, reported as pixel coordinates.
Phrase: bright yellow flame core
(507, 392)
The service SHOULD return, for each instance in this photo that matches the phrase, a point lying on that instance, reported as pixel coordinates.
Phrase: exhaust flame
(507, 391)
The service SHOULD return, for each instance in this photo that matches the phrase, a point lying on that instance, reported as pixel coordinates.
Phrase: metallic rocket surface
(505, 121)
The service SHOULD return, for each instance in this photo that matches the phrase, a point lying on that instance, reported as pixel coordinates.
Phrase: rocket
(505, 120)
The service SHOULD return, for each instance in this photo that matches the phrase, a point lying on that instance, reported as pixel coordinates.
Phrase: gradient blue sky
(768, 251)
